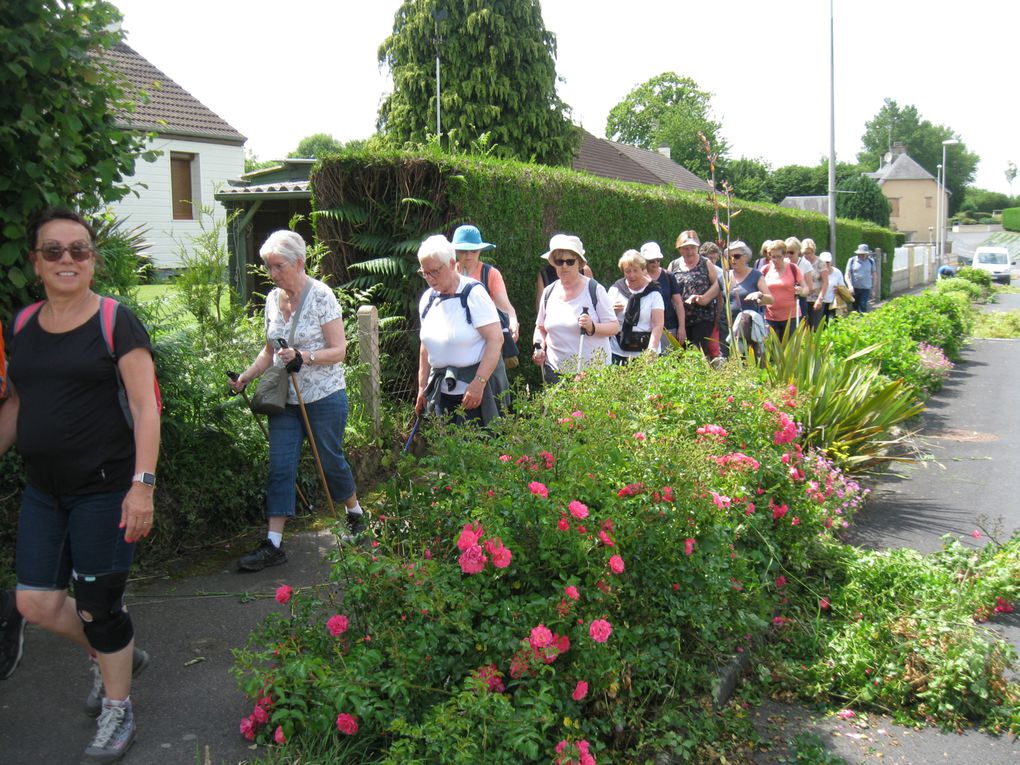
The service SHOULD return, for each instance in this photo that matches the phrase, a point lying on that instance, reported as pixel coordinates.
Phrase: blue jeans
(79, 532)
(328, 417)
(861, 297)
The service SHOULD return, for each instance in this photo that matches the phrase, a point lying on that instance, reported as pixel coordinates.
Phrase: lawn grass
(997, 324)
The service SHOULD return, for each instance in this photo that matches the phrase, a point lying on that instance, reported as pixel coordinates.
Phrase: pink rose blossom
(823, 603)
(564, 524)
(616, 564)
(539, 489)
(337, 625)
(846, 714)
(283, 594)
(469, 535)
(721, 501)
(571, 592)
(248, 728)
(578, 509)
(541, 636)
(976, 534)
(639, 436)
(472, 560)
(688, 546)
(780, 581)
(347, 724)
(259, 715)
(606, 539)
(279, 736)
(580, 690)
(501, 556)
(600, 630)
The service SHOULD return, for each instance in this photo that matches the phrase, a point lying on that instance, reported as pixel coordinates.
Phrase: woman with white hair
(639, 306)
(460, 364)
(304, 312)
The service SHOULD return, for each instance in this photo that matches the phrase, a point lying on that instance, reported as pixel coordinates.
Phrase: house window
(894, 207)
(928, 202)
(183, 185)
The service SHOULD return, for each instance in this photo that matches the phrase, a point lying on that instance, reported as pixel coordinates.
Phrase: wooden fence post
(368, 352)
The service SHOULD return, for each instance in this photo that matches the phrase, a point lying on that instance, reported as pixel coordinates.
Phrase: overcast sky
(278, 71)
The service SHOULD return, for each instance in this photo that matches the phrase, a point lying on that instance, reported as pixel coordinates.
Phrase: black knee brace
(100, 603)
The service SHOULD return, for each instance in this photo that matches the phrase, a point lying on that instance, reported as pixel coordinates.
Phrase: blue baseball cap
(470, 238)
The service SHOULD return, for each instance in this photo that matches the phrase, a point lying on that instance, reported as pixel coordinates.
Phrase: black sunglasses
(53, 251)
(564, 262)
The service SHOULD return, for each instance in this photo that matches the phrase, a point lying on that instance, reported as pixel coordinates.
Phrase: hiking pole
(411, 435)
(311, 436)
(244, 393)
(580, 343)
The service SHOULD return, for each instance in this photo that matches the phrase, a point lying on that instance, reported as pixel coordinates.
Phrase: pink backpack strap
(25, 314)
(107, 321)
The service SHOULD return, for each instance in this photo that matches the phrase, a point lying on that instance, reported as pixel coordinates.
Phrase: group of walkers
(80, 399)
(465, 333)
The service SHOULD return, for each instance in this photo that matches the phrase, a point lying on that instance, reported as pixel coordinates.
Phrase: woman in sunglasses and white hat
(575, 318)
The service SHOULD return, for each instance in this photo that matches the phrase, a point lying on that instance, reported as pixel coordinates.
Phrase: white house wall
(149, 204)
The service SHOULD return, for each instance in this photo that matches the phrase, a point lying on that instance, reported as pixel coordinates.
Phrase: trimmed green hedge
(1011, 219)
(519, 206)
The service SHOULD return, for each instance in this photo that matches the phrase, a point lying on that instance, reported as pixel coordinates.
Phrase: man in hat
(674, 313)
(862, 277)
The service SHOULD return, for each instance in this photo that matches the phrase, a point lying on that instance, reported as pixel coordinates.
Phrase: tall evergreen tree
(497, 74)
(864, 200)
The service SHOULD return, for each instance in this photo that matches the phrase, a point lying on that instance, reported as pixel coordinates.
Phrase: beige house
(912, 193)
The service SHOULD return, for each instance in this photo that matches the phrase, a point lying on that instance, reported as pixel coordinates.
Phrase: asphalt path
(964, 480)
(187, 704)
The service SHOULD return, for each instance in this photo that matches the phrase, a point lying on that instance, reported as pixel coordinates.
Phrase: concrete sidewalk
(186, 702)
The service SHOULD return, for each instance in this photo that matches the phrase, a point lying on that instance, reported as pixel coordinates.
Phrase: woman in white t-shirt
(460, 362)
(834, 279)
(642, 321)
(575, 317)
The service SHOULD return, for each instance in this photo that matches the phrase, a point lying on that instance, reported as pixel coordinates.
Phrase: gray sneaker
(115, 733)
(94, 701)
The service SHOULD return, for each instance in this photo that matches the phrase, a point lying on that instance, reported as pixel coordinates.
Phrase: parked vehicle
(994, 260)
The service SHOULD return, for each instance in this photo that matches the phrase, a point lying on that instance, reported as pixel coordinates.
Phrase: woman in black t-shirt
(73, 358)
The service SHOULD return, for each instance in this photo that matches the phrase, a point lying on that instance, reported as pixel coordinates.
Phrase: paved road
(186, 702)
(971, 433)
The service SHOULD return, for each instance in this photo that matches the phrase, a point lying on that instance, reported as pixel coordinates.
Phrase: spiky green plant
(854, 412)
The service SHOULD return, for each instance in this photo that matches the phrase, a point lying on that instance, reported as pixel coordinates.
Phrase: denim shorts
(69, 532)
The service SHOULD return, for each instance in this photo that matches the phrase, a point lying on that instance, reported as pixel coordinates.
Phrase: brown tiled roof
(169, 109)
(609, 159)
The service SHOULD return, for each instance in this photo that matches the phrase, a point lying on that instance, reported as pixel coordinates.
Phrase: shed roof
(166, 108)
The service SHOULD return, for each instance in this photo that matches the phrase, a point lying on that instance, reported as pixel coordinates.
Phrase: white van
(994, 260)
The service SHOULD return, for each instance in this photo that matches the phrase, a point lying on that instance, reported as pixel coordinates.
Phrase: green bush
(693, 477)
(982, 279)
(1011, 219)
(972, 291)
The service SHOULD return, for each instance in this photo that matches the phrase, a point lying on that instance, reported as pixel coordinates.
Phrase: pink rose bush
(523, 574)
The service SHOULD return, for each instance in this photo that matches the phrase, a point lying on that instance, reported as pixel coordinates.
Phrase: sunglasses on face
(561, 262)
(791, 252)
(54, 251)
(735, 255)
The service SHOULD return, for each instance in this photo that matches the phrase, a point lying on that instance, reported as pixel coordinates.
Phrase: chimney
(898, 148)
(664, 151)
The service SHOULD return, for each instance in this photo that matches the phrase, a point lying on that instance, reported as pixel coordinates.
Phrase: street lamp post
(832, 132)
(945, 202)
(938, 214)
(439, 14)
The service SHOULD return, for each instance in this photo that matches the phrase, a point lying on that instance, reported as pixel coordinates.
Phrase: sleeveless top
(696, 282)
